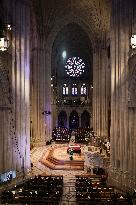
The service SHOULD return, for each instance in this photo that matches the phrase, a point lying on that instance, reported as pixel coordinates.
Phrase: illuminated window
(65, 89)
(83, 89)
(74, 89)
(74, 67)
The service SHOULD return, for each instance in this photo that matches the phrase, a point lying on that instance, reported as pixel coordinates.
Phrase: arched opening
(85, 119)
(73, 120)
(62, 119)
(71, 71)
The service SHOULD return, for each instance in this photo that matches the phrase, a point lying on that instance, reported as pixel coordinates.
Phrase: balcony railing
(73, 103)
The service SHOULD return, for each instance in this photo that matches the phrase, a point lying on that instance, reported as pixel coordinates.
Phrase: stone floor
(69, 193)
(68, 197)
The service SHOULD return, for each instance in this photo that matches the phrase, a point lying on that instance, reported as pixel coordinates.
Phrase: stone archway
(60, 23)
(73, 120)
(42, 92)
(62, 119)
(85, 119)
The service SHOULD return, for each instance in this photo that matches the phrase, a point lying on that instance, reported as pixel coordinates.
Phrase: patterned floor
(69, 193)
(57, 158)
(39, 168)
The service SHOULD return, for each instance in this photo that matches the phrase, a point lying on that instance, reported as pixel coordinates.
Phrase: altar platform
(58, 158)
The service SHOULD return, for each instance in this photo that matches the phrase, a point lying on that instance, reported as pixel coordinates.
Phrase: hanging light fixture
(3, 44)
(133, 41)
(3, 36)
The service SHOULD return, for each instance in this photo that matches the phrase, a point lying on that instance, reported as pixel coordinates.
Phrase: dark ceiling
(73, 39)
(95, 13)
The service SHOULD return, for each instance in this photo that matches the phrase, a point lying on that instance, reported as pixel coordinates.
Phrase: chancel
(67, 102)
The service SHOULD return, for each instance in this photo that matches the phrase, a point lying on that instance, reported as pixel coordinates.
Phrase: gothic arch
(60, 23)
(85, 119)
(68, 19)
(73, 120)
(62, 119)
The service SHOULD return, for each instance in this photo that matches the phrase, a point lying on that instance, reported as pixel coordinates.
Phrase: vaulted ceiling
(94, 13)
(72, 39)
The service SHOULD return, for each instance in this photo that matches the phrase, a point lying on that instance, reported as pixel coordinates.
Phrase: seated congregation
(48, 190)
(62, 134)
(37, 190)
(93, 190)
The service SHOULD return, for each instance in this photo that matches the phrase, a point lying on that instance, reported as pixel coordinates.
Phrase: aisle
(69, 193)
(72, 139)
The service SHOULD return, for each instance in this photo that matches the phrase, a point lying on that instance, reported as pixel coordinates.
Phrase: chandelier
(4, 42)
(133, 41)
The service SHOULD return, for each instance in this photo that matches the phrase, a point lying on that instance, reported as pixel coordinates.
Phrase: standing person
(100, 150)
(94, 141)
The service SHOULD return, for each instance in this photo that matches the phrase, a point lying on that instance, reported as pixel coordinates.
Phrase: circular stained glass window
(74, 66)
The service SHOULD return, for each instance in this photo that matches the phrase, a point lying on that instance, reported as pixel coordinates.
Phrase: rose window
(74, 66)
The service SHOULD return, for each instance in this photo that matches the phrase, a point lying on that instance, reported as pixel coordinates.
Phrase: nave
(66, 184)
(68, 64)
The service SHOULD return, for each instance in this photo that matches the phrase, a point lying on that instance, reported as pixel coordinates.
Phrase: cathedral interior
(68, 102)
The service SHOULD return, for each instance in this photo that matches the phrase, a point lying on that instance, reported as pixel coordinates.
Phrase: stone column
(95, 84)
(20, 85)
(41, 95)
(38, 111)
(15, 133)
(123, 158)
(100, 95)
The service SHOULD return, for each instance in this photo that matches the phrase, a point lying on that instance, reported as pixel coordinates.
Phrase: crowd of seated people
(82, 135)
(102, 143)
(61, 134)
(93, 192)
(37, 190)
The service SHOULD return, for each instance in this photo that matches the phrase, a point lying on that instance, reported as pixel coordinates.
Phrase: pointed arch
(85, 119)
(62, 119)
(73, 120)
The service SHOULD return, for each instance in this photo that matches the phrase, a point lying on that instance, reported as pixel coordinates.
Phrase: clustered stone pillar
(122, 172)
(6, 142)
(20, 84)
(41, 109)
(5, 107)
(53, 104)
(15, 137)
(100, 92)
(40, 96)
(38, 115)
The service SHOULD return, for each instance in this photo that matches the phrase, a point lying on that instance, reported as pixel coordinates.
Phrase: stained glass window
(74, 89)
(83, 89)
(65, 89)
(74, 66)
